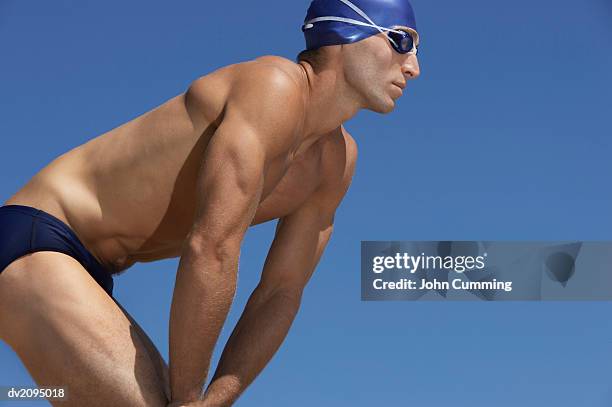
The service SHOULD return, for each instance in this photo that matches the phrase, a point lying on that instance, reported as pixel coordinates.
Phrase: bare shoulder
(267, 78)
(261, 96)
(268, 86)
(288, 66)
(259, 90)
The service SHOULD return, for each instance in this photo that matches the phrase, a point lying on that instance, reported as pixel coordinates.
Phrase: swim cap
(334, 22)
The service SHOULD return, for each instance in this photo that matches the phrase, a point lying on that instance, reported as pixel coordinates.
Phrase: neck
(329, 101)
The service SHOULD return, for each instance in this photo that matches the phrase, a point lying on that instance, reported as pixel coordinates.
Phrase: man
(246, 144)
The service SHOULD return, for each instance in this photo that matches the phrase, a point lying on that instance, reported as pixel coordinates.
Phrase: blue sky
(506, 135)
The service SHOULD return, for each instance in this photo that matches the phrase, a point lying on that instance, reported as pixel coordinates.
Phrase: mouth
(400, 87)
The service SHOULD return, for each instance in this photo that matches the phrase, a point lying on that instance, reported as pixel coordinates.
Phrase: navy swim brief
(25, 230)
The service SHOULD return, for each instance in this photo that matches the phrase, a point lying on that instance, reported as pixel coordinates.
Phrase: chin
(383, 107)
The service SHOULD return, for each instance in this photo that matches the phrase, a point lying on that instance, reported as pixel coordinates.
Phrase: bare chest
(297, 183)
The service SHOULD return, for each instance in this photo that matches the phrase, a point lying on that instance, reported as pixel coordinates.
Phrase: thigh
(68, 332)
(160, 365)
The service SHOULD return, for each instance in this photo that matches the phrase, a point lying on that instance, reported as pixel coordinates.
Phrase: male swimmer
(246, 144)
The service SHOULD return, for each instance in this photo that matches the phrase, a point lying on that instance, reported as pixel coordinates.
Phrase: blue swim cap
(334, 22)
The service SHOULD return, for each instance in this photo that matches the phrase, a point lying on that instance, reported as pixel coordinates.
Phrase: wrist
(222, 392)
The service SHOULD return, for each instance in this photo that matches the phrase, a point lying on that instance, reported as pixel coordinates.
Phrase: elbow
(291, 293)
(218, 250)
(286, 299)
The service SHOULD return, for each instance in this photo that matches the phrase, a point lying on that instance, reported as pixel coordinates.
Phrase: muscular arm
(230, 185)
(297, 247)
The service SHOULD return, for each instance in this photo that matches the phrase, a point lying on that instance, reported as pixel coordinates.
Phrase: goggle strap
(360, 12)
(308, 24)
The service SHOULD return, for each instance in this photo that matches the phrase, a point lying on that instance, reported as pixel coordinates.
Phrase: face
(376, 72)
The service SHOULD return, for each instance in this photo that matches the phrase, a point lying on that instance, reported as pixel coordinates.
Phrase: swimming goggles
(401, 40)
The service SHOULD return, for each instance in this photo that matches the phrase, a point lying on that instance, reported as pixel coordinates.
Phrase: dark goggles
(402, 41)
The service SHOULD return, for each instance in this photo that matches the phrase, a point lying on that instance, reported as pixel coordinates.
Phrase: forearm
(259, 333)
(203, 293)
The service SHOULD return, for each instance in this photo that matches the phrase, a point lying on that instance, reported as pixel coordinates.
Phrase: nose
(410, 67)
